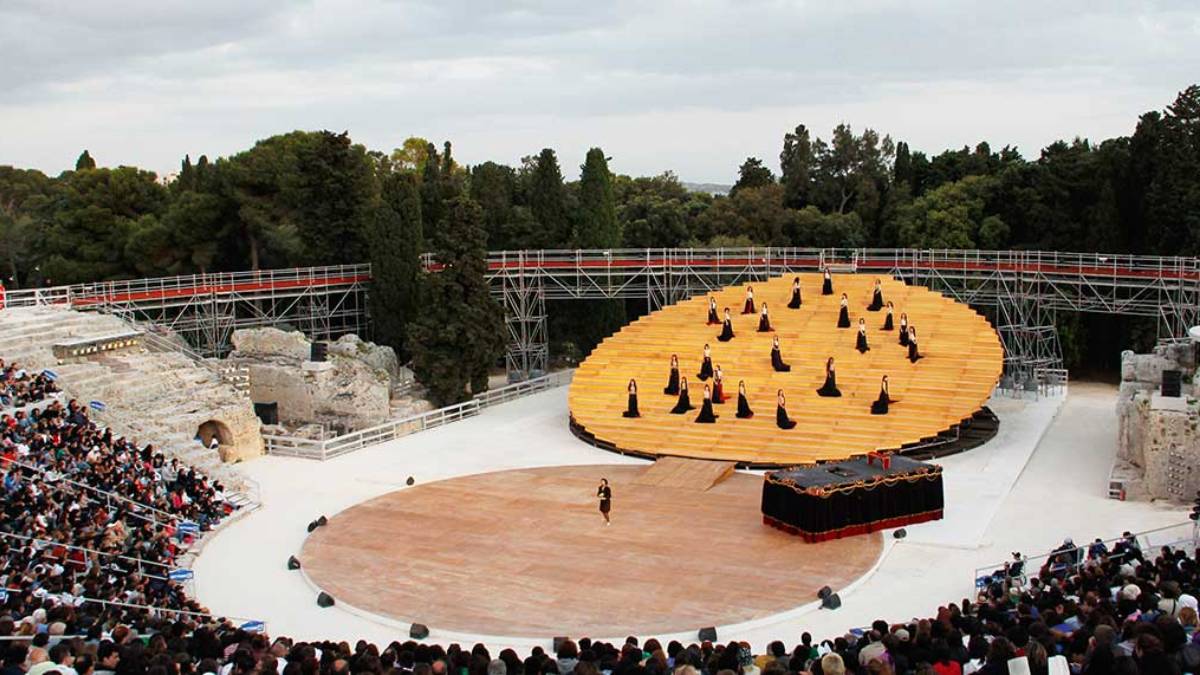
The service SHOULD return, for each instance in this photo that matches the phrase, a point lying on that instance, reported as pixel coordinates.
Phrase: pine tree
(796, 163)
(459, 333)
(396, 243)
(85, 162)
(597, 223)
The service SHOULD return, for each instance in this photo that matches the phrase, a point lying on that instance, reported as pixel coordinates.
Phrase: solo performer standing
(604, 492)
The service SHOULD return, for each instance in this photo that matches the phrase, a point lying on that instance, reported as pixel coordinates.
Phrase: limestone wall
(1157, 443)
(350, 390)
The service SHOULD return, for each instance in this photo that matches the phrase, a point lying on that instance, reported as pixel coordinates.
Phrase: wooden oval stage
(525, 553)
(962, 361)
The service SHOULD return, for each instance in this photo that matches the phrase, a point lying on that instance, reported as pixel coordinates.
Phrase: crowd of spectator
(20, 387)
(92, 523)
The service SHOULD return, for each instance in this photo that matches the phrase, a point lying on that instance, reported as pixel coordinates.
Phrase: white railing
(1149, 541)
(294, 446)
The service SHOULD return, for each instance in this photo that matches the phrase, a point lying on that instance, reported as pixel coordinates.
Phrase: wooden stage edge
(526, 553)
(928, 448)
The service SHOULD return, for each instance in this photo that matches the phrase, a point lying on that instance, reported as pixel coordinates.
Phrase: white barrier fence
(295, 446)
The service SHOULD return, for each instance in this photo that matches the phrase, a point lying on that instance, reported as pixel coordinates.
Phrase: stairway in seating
(684, 473)
(151, 396)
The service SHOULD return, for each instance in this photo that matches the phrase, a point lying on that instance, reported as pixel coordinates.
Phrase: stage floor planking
(689, 474)
(525, 553)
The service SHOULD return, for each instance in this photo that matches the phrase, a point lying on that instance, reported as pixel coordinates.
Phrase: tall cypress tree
(459, 334)
(598, 226)
(548, 201)
(396, 245)
(85, 161)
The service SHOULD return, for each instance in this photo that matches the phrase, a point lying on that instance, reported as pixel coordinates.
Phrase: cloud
(689, 86)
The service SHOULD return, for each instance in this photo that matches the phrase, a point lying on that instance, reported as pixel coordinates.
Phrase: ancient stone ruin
(1158, 447)
(359, 385)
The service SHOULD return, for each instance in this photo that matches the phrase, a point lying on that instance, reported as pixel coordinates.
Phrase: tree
(597, 222)
(396, 242)
(460, 333)
(797, 165)
(953, 216)
(547, 198)
(410, 157)
(757, 214)
(85, 162)
(810, 227)
(752, 174)
(331, 196)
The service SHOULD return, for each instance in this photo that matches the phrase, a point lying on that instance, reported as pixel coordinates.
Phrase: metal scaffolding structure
(1021, 291)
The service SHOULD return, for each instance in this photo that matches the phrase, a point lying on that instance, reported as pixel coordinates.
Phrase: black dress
(744, 412)
(887, 323)
(844, 318)
(684, 404)
(777, 361)
(631, 409)
(706, 415)
(827, 286)
(748, 308)
(795, 303)
(605, 495)
(876, 301)
(726, 332)
(880, 405)
(860, 343)
(672, 387)
(781, 418)
(706, 370)
(712, 316)
(903, 336)
(764, 324)
(829, 389)
(913, 354)
(718, 393)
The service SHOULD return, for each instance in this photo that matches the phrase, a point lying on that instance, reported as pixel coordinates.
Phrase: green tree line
(313, 198)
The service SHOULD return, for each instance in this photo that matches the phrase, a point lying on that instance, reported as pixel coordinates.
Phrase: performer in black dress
(860, 342)
(604, 494)
(726, 328)
(631, 410)
(712, 311)
(880, 405)
(777, 358)
(764, 322)
(684, 403)
(748, 308)
(827, 283)
(781, 417)
(719, 396)
(829, 389)
(743, 412)
(672, 387)
(913, 353)
(887, 320)
(844, 313)
(876, 298)
(706, 415)
(706, 365)
(795, 302)
(903, 329)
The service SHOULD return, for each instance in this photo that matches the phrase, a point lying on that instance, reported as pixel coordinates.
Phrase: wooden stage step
(685, 473)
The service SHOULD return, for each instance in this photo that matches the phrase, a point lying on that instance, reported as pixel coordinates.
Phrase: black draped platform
(854, 496)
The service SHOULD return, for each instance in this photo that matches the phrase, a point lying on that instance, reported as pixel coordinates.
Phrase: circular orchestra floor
(526, 553)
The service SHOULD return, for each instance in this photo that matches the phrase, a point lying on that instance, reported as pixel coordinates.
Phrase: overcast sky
(692, 87)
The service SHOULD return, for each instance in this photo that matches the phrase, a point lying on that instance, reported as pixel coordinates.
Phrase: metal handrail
(152, 608)
(294, 446)
(139, 561)
(107, 495)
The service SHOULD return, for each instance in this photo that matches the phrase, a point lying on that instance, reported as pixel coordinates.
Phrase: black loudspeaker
(833, 601)
(318, 351)
(293, 563)
(409, 483)
(268, 413)
(825, 592)
(1172, 383)
(558, 642)
(708, 634)
(322, 521)
(324, 599)
(418, 631)
(900, 533)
